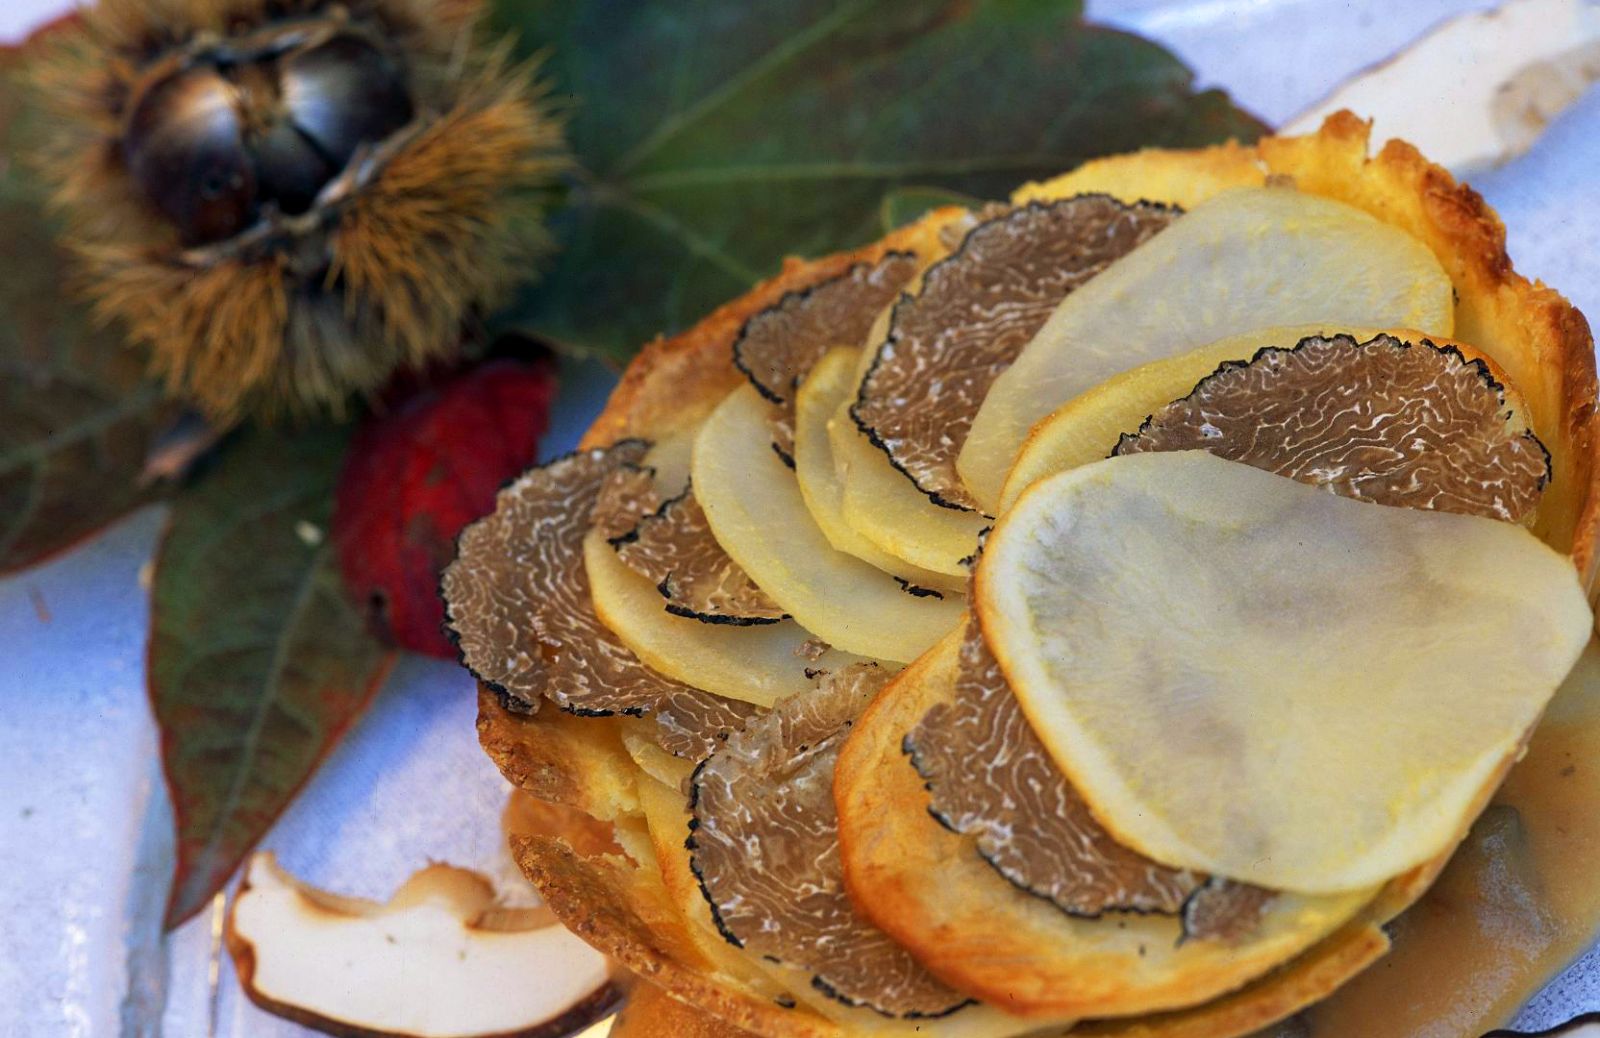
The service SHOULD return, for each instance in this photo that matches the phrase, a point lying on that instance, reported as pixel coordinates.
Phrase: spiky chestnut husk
(288, 200)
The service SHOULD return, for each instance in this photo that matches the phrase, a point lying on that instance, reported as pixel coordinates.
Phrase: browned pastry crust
(623, 910)
(575, 761)
(651, 1011)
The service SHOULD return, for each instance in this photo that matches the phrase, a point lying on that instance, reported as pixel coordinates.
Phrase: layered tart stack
(1104, 612)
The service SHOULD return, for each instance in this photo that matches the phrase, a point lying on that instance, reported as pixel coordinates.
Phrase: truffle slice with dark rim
(517, 601)
(765, 847)
(675, 549)
(627, 496)
(1407, 424)
(517, 598)
(992, 779)
(1226, 911)
(691, 725)
(975, 312)
(777, 346)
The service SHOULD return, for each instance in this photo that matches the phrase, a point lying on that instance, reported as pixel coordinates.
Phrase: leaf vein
(83, 429)
(697, 243)
(230, 802)
(791, 47)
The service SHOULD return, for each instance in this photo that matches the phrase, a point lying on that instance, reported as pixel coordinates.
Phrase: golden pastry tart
(1107, 612)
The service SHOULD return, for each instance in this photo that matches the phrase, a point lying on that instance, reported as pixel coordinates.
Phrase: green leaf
(717, 138)
(79, 414)
(258, 662)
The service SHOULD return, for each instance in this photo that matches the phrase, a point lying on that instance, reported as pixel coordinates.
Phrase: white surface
(77, 774)
(1278, 57)
(83, 820)
(1484, 85)
(19, 17)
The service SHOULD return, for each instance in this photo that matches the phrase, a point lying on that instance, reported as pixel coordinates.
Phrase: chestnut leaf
(714, 140)
(80, 417)
(258, 659)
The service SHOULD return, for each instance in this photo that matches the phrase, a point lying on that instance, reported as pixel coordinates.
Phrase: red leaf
(419, 473)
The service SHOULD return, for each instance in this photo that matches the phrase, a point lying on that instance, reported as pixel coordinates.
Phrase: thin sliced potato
(828, 386)
(1249, 258)
(1254, 678)
(755, 664)
(887, 509)
(638, 739)
(755, 508)
(881, 506)
(670, 458)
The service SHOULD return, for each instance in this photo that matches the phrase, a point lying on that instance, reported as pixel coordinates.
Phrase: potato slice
(760, 664)
(441, 959)
(1254, 678)
(651, 759)
(829, 385)
(669, 458)
(885, 507)
(755, 508)
(1249, 258)
(1086, 428)
(878, 502)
